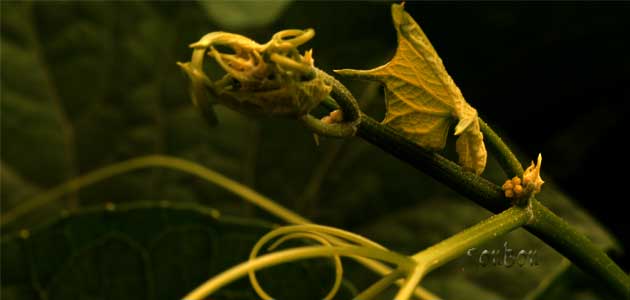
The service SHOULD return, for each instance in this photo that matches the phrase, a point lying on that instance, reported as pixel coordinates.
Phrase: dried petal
(531, 176)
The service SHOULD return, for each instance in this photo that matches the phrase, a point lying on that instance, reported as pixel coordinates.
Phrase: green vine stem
(453, 247)
(348, 105)
(501, 151)
(544, 224)
(488, 229)
(575, 246)
(479, 189)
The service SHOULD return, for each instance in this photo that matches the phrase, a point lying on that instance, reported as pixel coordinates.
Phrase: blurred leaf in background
(101, 86)
(146, 251)
(238, 15)
(86, 84)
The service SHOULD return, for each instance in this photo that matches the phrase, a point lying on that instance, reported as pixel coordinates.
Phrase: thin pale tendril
(299, 235)
(334, 243)
(325, 235)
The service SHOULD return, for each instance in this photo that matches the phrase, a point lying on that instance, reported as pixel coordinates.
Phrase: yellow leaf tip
(461, 127)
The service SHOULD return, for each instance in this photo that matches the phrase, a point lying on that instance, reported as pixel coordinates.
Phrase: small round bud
(509, 194)
(518, 190)
(507, 185)
(516, 180)
(327, 120)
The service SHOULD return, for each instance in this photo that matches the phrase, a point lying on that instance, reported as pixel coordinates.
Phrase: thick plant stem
(453, 247)
(558, 234)
(477, 188)
(348, 105)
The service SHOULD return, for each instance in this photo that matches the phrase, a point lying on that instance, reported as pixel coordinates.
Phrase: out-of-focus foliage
(145, 251)
(99, 86)
(235, 15)
(87, 84)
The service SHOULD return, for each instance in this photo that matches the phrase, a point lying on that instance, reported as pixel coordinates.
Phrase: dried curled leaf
(421, 98)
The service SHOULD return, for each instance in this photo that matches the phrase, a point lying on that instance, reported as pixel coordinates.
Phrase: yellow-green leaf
(421, 98)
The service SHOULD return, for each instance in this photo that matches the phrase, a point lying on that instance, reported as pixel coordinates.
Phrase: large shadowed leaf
(144, 251)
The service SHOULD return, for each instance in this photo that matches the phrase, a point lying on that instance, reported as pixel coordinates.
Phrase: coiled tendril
(328, 237)
(334, 243)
